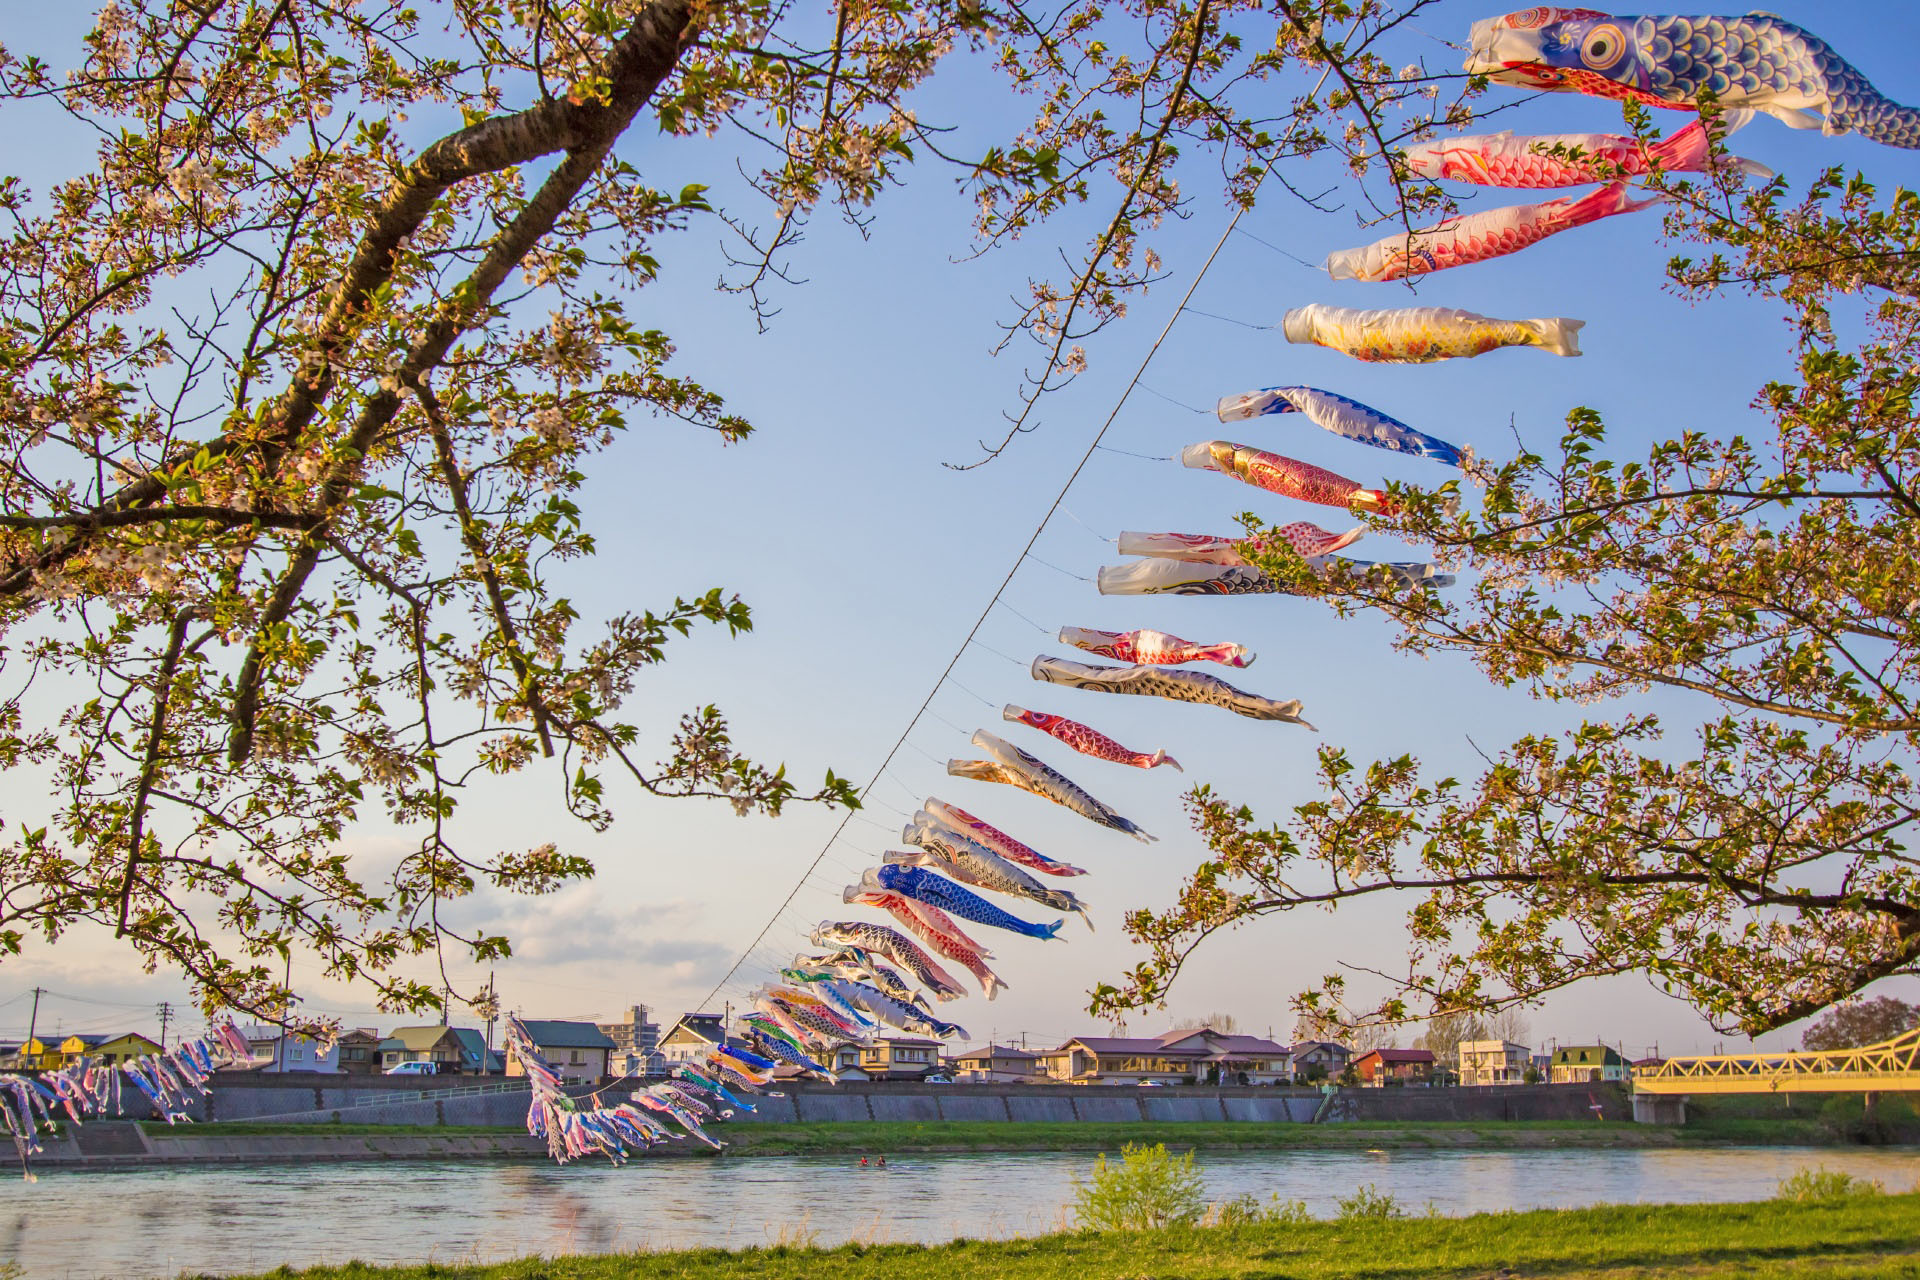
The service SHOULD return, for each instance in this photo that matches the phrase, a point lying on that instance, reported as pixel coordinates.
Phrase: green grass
(1870, 1237)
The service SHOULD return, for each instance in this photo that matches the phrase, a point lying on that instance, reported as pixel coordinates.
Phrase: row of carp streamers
(856, 982)
(697, 1095)
(170, 1080)
(860, 976)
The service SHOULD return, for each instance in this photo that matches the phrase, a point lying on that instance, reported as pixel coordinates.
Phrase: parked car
(413, 1069)
(937, 1078)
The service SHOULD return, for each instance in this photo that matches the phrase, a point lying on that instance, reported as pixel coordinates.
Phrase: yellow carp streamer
(1421, 335)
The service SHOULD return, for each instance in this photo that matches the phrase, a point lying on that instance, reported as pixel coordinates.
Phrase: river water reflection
(229, 1219)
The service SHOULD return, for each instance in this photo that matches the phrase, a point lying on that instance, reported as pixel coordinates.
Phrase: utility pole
(493, 1010)
(166, 1016)
(33, 1019)
(726, 1021)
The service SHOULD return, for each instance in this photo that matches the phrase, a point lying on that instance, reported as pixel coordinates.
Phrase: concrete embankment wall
(116, 1145)
(864, 1103)
(108, 1144)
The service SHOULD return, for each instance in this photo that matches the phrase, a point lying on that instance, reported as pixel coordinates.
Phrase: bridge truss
(1890, 1065)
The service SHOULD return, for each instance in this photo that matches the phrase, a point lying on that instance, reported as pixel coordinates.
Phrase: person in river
(883, 1162)
(863, 1162)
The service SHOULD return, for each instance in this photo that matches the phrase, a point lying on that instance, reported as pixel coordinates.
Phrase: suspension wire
(971, 694)
(1178, 404)
(1144, 457)
(1084, 525)
(1024, 618)
(1057, 569)
(1026, 552)
(1314, 267)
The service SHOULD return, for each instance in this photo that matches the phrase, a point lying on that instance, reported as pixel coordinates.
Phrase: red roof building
(1379, 1067)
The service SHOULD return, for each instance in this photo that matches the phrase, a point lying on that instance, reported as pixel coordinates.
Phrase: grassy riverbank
(1875, 1236)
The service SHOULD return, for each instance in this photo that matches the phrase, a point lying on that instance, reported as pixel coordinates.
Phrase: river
(225, 1219)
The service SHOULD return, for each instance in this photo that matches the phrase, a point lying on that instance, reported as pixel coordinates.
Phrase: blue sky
(866, 561)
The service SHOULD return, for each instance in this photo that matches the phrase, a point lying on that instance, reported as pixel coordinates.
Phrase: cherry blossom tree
(1757, 863)
(296, 405)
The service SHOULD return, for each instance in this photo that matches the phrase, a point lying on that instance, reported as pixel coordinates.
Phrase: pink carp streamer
(997, 840)
(1479, 237)
(1155, 648)
(1203, 548)
(1087, 741)
(1288, 477)
(937, 929)
(1504, 160)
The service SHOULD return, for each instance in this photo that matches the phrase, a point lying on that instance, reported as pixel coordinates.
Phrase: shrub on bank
(1147, 1187)
(1825, 1186)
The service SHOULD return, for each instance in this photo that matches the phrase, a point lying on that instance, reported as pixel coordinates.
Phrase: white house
(279, 1053)
(1494, 1062)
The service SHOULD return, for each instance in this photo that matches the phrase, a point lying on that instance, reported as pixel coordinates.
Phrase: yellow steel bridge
(1890, 1065)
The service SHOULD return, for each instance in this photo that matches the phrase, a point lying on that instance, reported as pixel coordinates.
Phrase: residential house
(1484, 1062)
(359, 1052)
(636, 1045)
(998, 1064)
(10, 1055)
(1188, 1055)
(41, 1053)
(575, 1050)
(475, 1060)
(125, 1047)
(693, 1037)
(1223, 1058)
(1649, 1064)
(107, 1049)
(276, 1053)
(438, 1045)
(844, 1063)
(1587, 1064)
(1380, 1067)
(899, 1058)
(1316, 1060)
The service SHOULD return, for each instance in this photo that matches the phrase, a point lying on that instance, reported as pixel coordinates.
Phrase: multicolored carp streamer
(1183, 578)
(1307, 540)
(1420, 335)
(1010, 765)
(898, 1014)
(923, 920)
(1339, 415)
(86, 1088)
(1573, 159)
(771, 1032)
(943, 894)
(970, 862)
(1158, 682)
(1087, 741)
(573, 1130)
(1157, 648)
(1480, 237)
(895, 946)
(996, 840)
(937, 930)
(1757, 61)
(1288, 477)
(857, 965)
